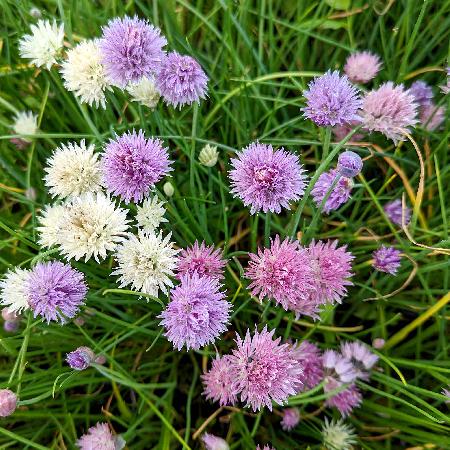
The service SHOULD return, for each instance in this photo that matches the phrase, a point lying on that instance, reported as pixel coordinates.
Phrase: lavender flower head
(131, 49)
(337, 367)
(266, 179)
(361, 357)
(291, 418)
(56, 291)
(309, 357)
(197, 312)
(81, 358)
(264, 370)
(349, 164)
(99, 437)
(214, 443)
(8, 402)
(218, 382)
(387, 259)
(432, 117)
(202, 259)
(10, 326)
(344, 401)
(331, 100)
(390, 110)
(361, 67)
(422, 93)
(393, 210)
(181, 80)
(340, 193)
(132, 165)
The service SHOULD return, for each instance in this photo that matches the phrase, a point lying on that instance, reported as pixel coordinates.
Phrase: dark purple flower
(81, 358)
(331, 100)
(393, 210)
(132, 165)
(181, 80)
(56, 291)
(131, 49)
(349, 164)
(387, 259)
(422, 93)
(291, 418)
(340, 193)
(266, 179)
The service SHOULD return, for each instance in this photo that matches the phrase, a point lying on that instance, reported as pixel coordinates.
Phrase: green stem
(267, 229)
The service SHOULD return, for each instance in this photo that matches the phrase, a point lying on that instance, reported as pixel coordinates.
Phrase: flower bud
(81, 358)
(349, 164)
(168, 189)
(8, 402)
(208, 155)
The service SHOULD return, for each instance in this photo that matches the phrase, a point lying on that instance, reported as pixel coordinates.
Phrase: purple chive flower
(360, 356)
(331, 100)
(291, 418)
(361, 67)
(197, 312)
(181, 80)
(131, 48)
(339, 194)
(390, 110)
(282, 273)
(393, 210)
(100, 437)
(338, 367)
(309, 357)
(214, 443)
(349, 164)
(201, 259)
(11, 326)
(218, 382)
(344, 401)
(446, 392)
(432, 117)
(266, 179)
(387, 259)
(132, 165)
(8, 402)
(81, 358)
(340, 131)
(56, 291)
(422, 93)
(264, 370)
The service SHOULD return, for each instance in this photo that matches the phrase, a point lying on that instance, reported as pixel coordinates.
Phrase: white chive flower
(337, 435)
(51, 222)
(144, 92)
(208, 155)
(25, 124)
(151, 214)
(13, 290)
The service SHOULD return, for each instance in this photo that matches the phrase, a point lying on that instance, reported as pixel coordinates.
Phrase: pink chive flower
(446, 392)
(282, 273)
(361, 67)
(291, 418)
(339, 195)
(181, 80)
(332, 270)
(8, 402)
(309, 357)
(218, 382)
(264, 370)
(390, 110)
(132, 165)
(422, 93)
(266, 447)
(338, 367)
(349, 164)
(197, 312)
(387, 259)
(340, 131)
(360, 356)
(331, 100)
(202, 259)
(344, 401)
(81, 358)
(393, 210)
(266, 179)
(214, 443)
(131, 49)
(378, 343)
(100, 437)
(56, 291)
(431, 117)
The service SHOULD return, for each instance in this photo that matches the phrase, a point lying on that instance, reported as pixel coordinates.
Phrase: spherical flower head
(131, 48)
(81, 358)
(361, 67)
(214, 443)
(266, 179)
(8, 402)
(197, 312)
(13, 290)
(84, 74)
(144, 92)
(422, 93)
(432, 117)
(339, 194)
(345, 401)
(25, 124)
(44, 43)
(181, 80)
(100, 437)
(151, 214)
(349, 164)
(10, 326)
(341, 131)
(208, 155)
(394, 211)
(378, 343)
(337, 435)
(282, 273)
(146, 262)
(203, 259)
(390, 110)
(291, 418)
(309, 357)
(218, 382)
(56, 291)
(337, 367)
(73, 170)
(9, 314)
(331, 100)
(264, 370)
(360, 356)
(132, 165)
(387, 259)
